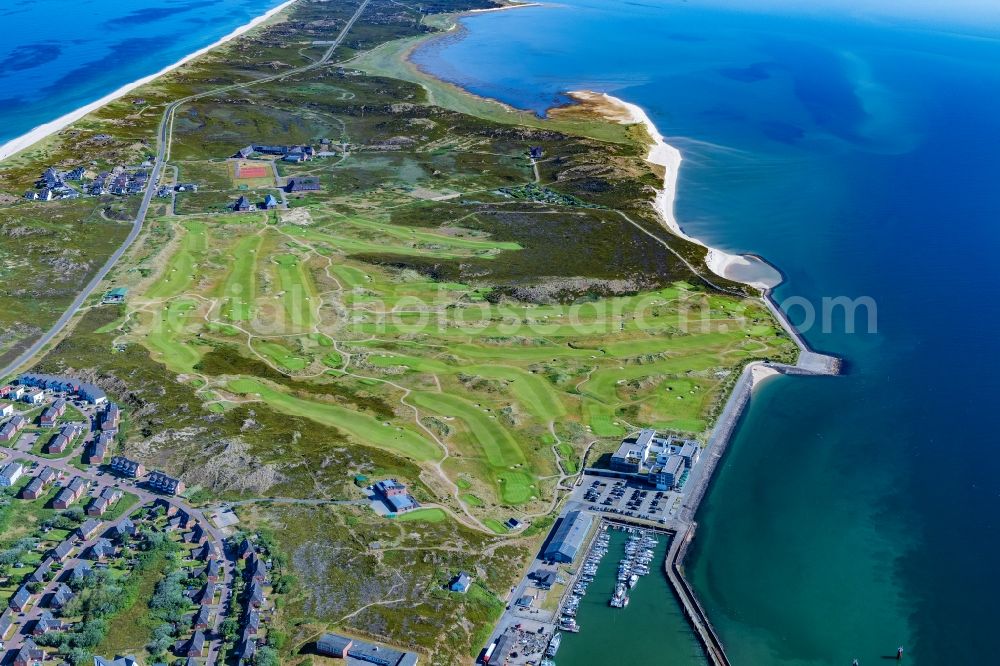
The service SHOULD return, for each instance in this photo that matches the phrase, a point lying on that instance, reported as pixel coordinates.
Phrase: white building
(10, 473)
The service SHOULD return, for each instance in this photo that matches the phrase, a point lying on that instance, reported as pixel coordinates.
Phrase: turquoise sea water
(58, 55)
(647, 631)
(861, 157)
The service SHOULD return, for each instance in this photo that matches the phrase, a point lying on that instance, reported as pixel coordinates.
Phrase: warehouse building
(569, 537)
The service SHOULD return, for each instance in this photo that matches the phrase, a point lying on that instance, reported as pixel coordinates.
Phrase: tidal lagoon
(859, 156)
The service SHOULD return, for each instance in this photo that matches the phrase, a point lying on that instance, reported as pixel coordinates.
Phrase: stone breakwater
(809, 362)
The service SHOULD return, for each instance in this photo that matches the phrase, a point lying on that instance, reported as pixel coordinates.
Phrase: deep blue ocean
(862, 157)
(58, 55)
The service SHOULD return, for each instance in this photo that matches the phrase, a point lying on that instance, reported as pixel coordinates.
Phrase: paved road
(162, 150)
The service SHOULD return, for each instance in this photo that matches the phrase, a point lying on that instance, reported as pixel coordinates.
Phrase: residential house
(34, 489)
(168, 508)
(47, 475)
(10, 429)
(6, 409)
(460, 583)
(21, 599)
(252, 627)
(256, 598)
(88, 529)
(117, 661)
(70, 493)
(92, 394)
(34, 396)
(29, 654)
(243, 205)
(6, 622)
(202, 618)
(165, 484)
(123, 530)
(10, 473)
(102, 550)
(244, 152)
(270, 202)
(46, 622)
(256, 571)
(41, 573)
(131, 469)
(80, 571)
(99, 448)
(62, 551)
(207, 594)
(61, 596)
(213, 570)
(245, 549)
(110, 418)
(52, 413)
(64, 499)
(535, 152)
(204, 552)
(104, 501)
(15, 392)
(196, 646)
(247, 651)
(61, 441)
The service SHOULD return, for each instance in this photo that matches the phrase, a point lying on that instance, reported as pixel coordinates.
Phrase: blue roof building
(460, 583)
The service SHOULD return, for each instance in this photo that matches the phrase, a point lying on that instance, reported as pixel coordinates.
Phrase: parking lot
(624, 498)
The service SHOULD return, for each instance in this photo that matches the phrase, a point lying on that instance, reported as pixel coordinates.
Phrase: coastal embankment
(750, 270)
(32, 137)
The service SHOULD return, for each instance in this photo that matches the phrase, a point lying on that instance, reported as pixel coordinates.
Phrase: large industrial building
(569, 537)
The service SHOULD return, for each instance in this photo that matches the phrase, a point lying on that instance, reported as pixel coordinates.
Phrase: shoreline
(43, 131)
(756, 272)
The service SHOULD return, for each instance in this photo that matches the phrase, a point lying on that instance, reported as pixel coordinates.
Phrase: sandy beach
(28, 139)
(516, 5)
(741, 268)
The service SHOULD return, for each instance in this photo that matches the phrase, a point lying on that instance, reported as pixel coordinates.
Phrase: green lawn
(432, 515)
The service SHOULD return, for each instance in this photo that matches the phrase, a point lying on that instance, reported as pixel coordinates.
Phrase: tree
(267, 656)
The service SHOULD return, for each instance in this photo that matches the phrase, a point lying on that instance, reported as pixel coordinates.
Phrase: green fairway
(298, 294)
(280, 354)
(239, 290)
(166, 335)
(364, 428)
(494, 441)
(532, 391)
(180, 270)
(471, 500)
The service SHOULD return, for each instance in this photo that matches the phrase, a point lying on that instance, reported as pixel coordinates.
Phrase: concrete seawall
(809, 362)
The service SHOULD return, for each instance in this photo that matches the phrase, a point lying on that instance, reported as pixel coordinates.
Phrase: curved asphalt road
(163, 140)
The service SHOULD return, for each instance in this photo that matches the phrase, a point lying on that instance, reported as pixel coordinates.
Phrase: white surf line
(32, 137)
